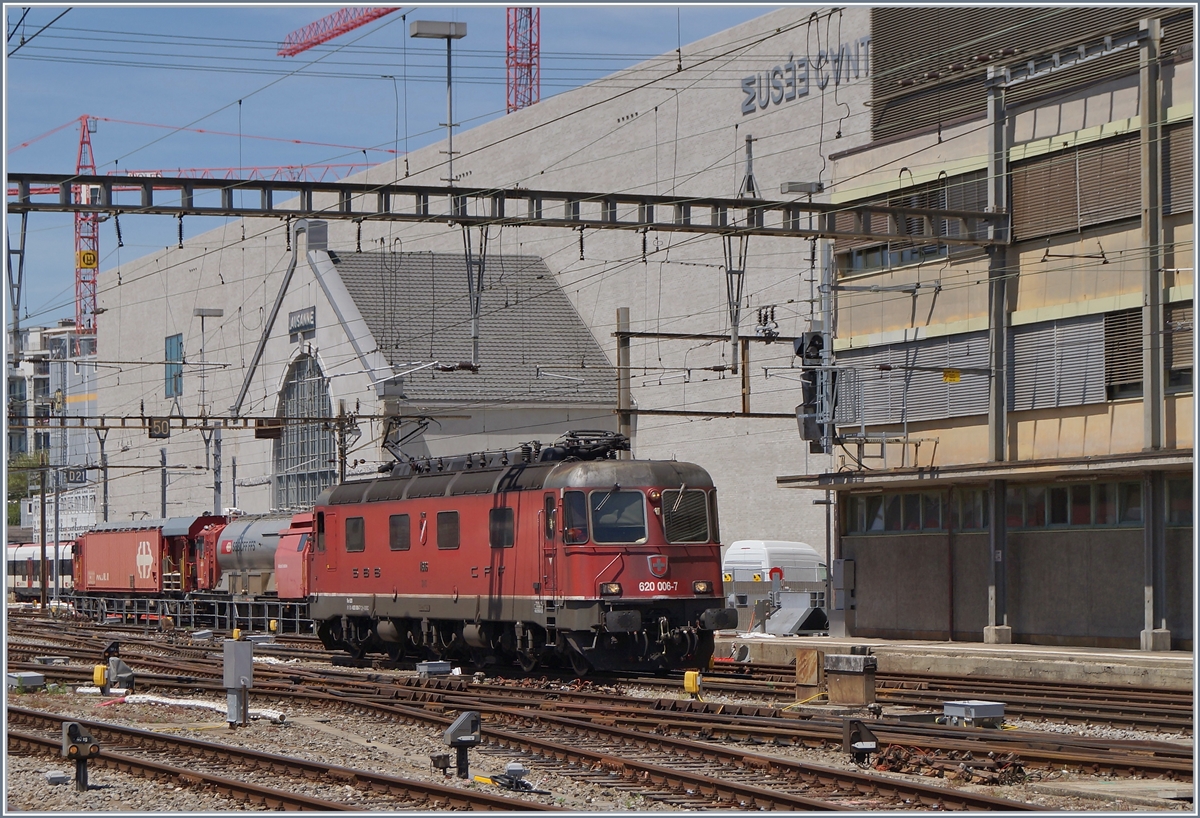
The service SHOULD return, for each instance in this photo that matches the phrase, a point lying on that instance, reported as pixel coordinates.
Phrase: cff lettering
(793, 79)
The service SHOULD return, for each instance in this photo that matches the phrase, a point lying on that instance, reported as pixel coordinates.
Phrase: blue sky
(186, 66)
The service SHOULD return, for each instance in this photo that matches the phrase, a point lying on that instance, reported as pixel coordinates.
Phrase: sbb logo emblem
(658, 565)
(145, 559)
(227, 547)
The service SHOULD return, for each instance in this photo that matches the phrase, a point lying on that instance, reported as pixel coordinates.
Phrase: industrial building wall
(1064, 587)
(651, 129)
(908, 583)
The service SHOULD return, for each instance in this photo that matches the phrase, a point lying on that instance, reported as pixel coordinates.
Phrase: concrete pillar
(997, 267)
(1150, 93)
(1155, 634)
(997, 631)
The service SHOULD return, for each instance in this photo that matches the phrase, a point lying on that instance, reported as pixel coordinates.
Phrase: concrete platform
(1167, 670)
(1162, 795)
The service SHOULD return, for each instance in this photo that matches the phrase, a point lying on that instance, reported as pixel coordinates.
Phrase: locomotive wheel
(579, 662)
(527, 660)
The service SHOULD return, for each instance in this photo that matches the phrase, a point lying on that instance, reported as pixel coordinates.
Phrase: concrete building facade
(660, 127)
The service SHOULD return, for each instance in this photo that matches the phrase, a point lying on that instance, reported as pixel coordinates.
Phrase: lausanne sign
(793, 79)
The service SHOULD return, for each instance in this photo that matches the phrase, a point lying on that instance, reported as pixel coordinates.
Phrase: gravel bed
(352, 740)
(400, 750)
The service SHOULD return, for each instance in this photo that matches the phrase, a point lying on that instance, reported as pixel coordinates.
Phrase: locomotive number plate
(664, 585)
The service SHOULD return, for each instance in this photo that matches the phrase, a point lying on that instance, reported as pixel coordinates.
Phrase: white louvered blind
(1056, 363)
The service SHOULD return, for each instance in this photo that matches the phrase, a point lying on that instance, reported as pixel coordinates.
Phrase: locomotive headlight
(702, 586)
(610, 589)
(655, 495)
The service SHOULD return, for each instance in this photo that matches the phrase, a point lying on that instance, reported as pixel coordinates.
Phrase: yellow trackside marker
(727, 577)
(236, 635)
(758, 577)
(98, 675)
(87, 259)
(274, 625)
(693, 682)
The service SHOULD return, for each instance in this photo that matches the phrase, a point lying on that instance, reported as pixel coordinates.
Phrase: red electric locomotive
(534, 555)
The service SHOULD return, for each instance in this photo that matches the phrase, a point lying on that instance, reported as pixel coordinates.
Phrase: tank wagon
(199, 571)
(558, 555)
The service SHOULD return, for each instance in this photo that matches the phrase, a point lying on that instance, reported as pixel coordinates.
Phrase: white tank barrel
(249, 545)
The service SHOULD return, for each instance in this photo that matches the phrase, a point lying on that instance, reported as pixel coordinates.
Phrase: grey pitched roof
(417, 308)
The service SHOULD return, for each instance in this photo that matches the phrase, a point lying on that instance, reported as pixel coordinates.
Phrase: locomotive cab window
(303, 542)
(500, 528)
(399, 533)
(550, 516)
(575, 520)
(447, 530)
(355, 537)
(321, 531)
(685, 516)
(618, 516)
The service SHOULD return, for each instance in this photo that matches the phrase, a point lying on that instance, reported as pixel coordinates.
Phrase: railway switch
(78, 745)
(465, 733)
(513, 778)
(440, 761)
(114, 674)
(858, 741)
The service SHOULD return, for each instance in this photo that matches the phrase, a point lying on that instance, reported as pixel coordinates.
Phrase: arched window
(305, 452)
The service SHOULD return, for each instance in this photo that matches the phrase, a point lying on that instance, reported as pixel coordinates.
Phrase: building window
(500, 527)
(355, 536)
(1085, 504)
(174, 366)
(1123, 353)
(910, 512)
(1179, 501)
(399, 533)
(967, 191)
(18, 443)
(305, 452)
(447, 530)
(1130, 506)
(1177, 347)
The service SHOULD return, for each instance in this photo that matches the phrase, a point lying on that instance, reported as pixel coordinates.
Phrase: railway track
(400, 793)
(759, 725)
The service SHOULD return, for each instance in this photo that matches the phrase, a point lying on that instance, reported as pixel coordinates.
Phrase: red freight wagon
(291, 558)
(144, 557)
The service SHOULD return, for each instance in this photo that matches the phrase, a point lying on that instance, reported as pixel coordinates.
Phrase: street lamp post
(433, 30)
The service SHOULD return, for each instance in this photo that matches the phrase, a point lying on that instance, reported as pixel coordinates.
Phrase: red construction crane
(522, 57)
(325, 29)
(522, 52)
(87, 235)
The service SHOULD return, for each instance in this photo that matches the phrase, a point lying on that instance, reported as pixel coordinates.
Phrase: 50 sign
(160, 428)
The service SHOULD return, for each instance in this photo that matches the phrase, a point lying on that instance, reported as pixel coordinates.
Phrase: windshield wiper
(616, 487)
(678, 499)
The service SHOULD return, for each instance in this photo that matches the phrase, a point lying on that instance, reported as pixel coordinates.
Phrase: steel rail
(416, 791)
(846, 781)
(145, 768)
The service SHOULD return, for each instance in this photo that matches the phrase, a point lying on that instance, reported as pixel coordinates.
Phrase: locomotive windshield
(618, 516)
(575, 523)
(685, 516)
